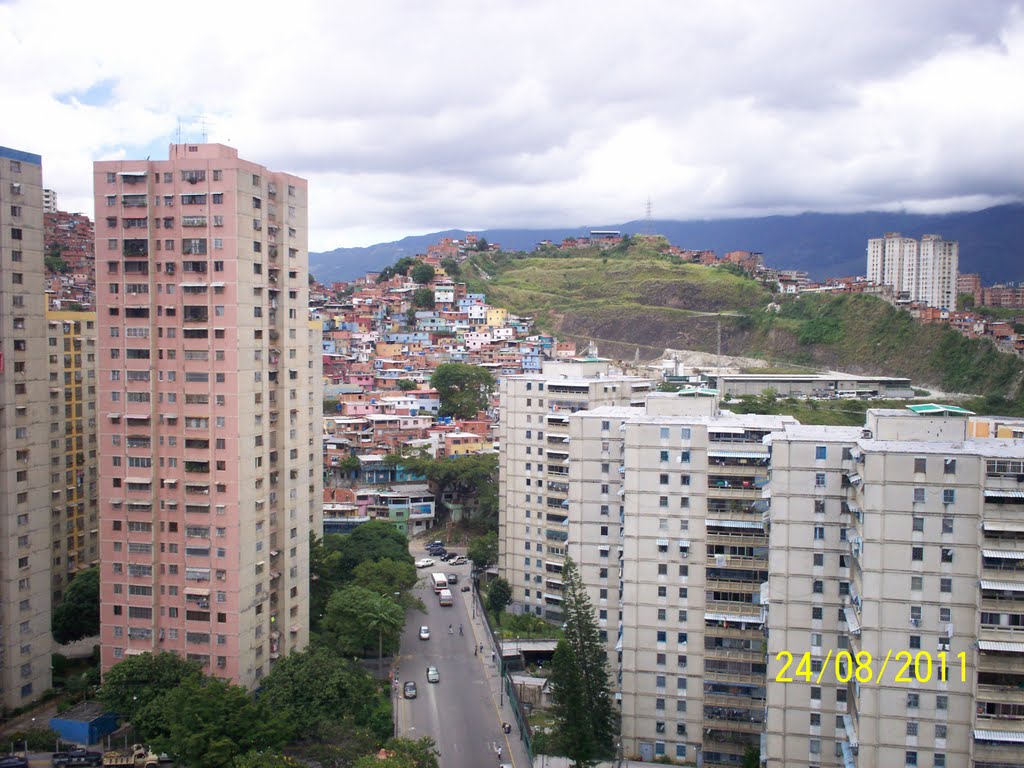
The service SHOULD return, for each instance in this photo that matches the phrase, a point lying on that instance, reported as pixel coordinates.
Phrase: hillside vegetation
(633, 296)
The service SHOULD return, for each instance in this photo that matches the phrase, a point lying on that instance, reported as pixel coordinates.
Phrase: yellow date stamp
(844, 667)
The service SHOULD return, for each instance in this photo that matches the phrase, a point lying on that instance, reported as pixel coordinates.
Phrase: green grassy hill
(634, 296)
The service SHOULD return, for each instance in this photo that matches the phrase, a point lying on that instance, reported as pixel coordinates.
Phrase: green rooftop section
(697, 392)
(934, 409)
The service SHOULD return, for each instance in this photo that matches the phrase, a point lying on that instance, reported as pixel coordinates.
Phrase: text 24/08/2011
(917, 667)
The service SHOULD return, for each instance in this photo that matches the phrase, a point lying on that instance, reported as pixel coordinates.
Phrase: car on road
(424, 632)
(426, 562)
(453, 578)
(448, 556)
(410, 690)
(458, 560)
(437, 552)
(76, 757)
(432, 675)
(466, 587)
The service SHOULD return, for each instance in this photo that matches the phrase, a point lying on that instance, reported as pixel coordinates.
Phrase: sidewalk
(513, 750)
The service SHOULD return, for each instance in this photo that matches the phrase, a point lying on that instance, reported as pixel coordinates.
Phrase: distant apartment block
(533, 486)
(924, 272)
(49, 201)
(209, 410)
(25, 490)
(71, 338)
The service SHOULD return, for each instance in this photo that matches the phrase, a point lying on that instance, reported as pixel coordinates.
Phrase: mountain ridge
(823, 244)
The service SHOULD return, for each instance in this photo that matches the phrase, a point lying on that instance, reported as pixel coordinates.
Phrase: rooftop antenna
(193, 120)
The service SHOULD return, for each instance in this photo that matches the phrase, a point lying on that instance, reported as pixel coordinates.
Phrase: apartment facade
(209, 410)
(25, 522)
(74, 479)
(927, 569)
(533, 485)
(666, 522)
(925, 272)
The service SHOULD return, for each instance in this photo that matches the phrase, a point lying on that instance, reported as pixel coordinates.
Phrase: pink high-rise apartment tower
(209, 409)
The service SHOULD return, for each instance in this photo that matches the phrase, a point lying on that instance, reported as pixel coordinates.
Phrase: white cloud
(409, 117)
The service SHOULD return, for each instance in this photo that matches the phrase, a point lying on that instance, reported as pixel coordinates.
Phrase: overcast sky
(410, 117)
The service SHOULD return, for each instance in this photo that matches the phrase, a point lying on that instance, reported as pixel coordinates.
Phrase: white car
(426, 562)
(424, 632)
(460, 560)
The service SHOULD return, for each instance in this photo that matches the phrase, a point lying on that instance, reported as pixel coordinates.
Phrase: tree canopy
(312, 688)
(407, 384)
(580, 685)
(422, 273)
(464, 389)
(483, 550)
(206, 722)
(137, 681)
(358, 621)
(385, 577)
(423, 298)
(471, 476)
(499, 595)
(78, 615)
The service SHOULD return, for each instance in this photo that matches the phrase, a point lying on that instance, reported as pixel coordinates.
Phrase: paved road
(459, 712)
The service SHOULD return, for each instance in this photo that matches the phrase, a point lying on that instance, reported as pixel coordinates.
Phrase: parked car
(76, 757)
(466, 587)
(453, 578)
(410, 690)
(13, 761)
(424, 632)
(436, 543)
(447, 556)
(426, 562)
(458, 560)
(432, 675)
(438, 552)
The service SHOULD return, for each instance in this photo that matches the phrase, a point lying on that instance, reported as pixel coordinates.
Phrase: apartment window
(663, 433)
(916, 583)
(945, 584)
(915, 642)
(920, 465)
(663, 456)
(915, 614)
(815, 693)
(816, 613)
(939, 760)
(820, 452)
(819, 479)
(913, 700)
(947, 525)
(662, 635)
(949, 467)
(819, 559)
(940, 731)
(918, 495)
(663, 479)
(818, 587)
(947, 555)
(918, 524)
(948, 495)
(917, 553)
(819, 532)
(911, 758)
(942, 702)
(945, 614)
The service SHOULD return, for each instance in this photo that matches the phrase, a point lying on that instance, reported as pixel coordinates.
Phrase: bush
(37, 739)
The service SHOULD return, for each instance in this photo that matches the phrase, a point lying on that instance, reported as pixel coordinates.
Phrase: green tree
(482, 244)
(499, 595)
(403, 753)
(422, 273)
(752, 758)
(137, 681)
(407, 384)
(470, 477)
(451, 268)
(312, 689)
(78, 615)
(208, 722)
(385, 274)
(375, 540)
(265, 759)
(483, 551)
(358, 621)
(464, 389)
(423, 298)
(385, 577)
(404, 264)
(580, 685)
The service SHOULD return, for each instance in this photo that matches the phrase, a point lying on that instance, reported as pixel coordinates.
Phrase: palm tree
(384, 614)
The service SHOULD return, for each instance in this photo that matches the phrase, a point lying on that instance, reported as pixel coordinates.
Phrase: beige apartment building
(667, 524)
(209, 410)
(74, 493)
(902, 540)
(533, 486)
(925, 272)
(25, 591)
